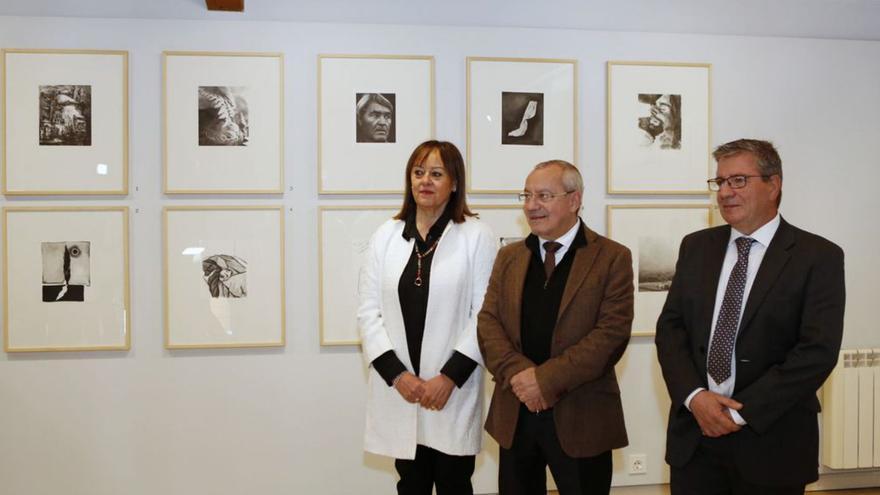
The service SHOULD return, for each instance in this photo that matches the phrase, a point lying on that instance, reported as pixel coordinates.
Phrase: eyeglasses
(543, 197)
(734, 181)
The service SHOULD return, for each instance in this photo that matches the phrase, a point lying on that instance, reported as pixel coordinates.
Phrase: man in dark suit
(556, 318)
(750, 330)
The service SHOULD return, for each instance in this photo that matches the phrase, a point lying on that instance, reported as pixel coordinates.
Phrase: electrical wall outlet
(638, 464)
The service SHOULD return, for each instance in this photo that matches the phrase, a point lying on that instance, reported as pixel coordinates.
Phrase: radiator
(851, 411)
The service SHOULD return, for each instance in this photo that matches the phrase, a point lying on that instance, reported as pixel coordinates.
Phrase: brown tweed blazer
(592, 330)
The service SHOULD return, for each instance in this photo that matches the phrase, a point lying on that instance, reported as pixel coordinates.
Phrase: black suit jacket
(788, 343)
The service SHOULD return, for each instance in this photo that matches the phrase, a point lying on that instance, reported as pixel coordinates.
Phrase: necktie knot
(552, 246)
(744, 245)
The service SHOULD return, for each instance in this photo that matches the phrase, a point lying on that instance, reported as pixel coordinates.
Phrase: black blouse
(414, 304)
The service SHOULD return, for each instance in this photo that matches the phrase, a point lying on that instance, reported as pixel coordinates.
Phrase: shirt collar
(411, 231)
(566, 238)
(763, 235)
(574, 238)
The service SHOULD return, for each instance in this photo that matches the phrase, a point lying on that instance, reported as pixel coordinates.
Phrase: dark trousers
(523, 467)
(712, 471)
(451, 473)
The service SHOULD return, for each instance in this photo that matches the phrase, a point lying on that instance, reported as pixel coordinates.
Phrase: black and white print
(657, 256)
(522, 118)
(65, 115)
(660, 121)
(66, 270)
(223, 116)
(225, 275)
(375, 117)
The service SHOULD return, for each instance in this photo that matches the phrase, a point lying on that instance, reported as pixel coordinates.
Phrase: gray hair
(372, 98)
(571, 176)
(764, 152)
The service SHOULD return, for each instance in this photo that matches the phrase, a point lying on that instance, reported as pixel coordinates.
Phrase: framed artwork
(373, 110)
(224, 276)
(658, 128)
(653, 233)
(224, 122)
(507, 221)
(65, 279)
(344, 236)
(65, 121)
(519, 112)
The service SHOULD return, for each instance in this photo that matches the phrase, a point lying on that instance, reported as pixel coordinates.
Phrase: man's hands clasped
(712, 412)
(525, 386)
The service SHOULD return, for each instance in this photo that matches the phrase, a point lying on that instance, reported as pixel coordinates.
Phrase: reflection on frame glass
(653, 233)
(224, 276)
(520, 112)
(66, 279)
(373, 110)
(658, 128)
(344, 237)
(66, 122)
(224, 122)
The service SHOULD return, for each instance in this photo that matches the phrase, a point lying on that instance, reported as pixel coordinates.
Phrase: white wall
(291, 420)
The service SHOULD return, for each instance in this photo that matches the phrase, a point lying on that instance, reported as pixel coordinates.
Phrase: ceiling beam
(226, 5)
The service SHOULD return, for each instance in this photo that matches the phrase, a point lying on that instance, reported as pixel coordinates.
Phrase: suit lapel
(712, 263)
(580, 267)
(774, 261)
(517, 271)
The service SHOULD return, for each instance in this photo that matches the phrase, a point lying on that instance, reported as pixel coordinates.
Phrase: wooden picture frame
(658, 128)
(65, 122)
(361, 152)
(653, 233)
(224, 122)
(520, 112)
(344, 234)
(77, 257)
(224, 277)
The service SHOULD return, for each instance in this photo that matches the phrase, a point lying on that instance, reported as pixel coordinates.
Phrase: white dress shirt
(565, 239)
(762, 238)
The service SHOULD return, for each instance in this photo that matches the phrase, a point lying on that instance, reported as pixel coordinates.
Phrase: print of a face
(660, 117)
(661, 112)
(376, 122)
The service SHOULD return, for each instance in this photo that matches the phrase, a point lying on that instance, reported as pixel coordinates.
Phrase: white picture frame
(65, 279)
(653, 233)
(65, 122)
(353, 161)
(224, 276)
(658, 128)
(520, 112)
(224, 122)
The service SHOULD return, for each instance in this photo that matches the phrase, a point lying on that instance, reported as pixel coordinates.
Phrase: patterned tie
(721, 349)
(550, 257)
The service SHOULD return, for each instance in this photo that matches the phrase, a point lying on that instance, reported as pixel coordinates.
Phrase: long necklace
(419, 257)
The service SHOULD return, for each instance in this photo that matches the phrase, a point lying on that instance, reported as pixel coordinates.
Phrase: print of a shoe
(530, 112)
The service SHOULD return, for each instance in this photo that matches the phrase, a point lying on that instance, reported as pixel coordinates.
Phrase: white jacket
(460, 273)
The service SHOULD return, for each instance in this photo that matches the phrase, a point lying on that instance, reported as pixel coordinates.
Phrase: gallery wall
(290, 420)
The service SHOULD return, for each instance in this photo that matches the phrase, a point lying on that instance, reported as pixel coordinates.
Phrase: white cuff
(687, 402)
